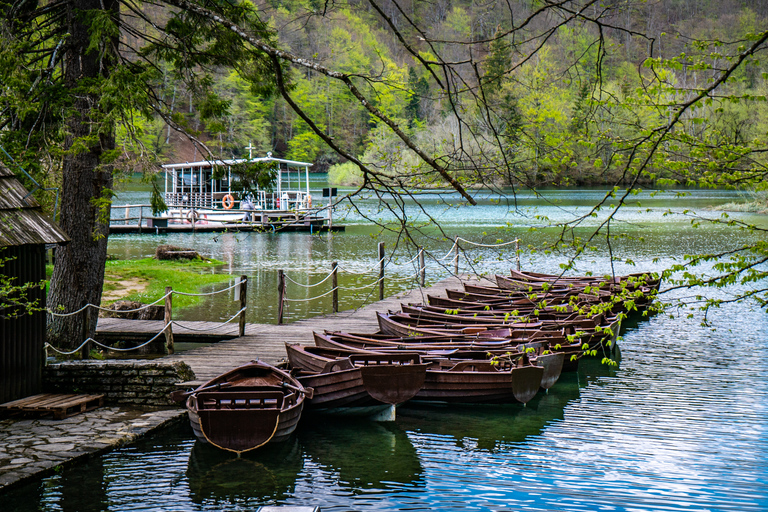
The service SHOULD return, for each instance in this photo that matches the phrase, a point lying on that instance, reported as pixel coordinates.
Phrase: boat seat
(240, 399)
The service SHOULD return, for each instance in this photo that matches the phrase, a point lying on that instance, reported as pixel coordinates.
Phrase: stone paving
(32, 448)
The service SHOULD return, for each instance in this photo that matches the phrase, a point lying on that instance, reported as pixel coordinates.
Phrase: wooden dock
(266, 341)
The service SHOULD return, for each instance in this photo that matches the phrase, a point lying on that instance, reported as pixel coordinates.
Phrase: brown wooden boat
(247, 407)
(353, 382)
(451, 354)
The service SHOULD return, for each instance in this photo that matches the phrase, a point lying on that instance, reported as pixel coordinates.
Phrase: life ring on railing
(228, 202)
(309, 201)
(192, 216)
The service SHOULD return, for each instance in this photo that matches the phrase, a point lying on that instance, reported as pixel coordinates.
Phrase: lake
(680, 425)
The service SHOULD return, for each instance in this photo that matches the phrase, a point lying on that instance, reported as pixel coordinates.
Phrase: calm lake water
(680, 425)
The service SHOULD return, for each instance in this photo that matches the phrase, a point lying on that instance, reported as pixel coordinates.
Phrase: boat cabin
(191, 185)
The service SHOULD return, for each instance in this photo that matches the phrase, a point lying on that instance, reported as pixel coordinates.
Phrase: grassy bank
(145, 280)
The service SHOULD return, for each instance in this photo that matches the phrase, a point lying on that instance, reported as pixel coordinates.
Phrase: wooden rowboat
(458, 375)
(356, 382)
(247, 407)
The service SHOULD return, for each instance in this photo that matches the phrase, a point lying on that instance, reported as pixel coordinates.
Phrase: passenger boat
(247, 407)
(356, 383)
(211, 192)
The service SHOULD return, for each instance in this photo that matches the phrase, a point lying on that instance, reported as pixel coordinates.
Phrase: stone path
(31, 448)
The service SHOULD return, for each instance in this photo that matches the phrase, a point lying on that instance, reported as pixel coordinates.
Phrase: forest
(564, 102)
(393, 96)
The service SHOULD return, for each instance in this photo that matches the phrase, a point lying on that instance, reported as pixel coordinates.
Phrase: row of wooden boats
(479, 345)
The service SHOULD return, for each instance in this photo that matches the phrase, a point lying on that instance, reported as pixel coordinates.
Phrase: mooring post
(381, 270)
(422, 268)
(456, 256)
(168, 318)
(85, 351)
(517, 252)
(243, 303)
(280, 296)
(141, 216)
(335, 286)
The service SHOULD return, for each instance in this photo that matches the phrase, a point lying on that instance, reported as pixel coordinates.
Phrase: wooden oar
(308, 392)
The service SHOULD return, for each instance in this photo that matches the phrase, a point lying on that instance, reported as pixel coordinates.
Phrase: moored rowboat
(247, 407)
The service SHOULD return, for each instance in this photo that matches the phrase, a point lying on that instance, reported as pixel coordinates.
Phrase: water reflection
(492, 428)
(360, 455)
(265, 476)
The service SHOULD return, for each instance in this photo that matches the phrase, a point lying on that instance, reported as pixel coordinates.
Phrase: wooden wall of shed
(22, 339)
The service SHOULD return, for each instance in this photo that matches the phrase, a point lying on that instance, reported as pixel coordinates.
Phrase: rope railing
(91, 340)
(382, 263)
(174, 322)
(240, 287)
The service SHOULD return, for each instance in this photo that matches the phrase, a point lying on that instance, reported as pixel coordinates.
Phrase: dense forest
(561, 103)
(390, 95)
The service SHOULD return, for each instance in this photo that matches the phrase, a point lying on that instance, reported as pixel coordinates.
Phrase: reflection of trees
(364, 454)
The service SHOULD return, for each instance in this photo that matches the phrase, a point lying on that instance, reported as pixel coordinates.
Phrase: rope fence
(240, 289)
(381, 264)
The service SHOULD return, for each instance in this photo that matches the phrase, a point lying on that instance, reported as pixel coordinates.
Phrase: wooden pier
(265, 342)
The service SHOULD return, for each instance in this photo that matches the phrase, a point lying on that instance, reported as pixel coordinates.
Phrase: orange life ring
(309, 201)
(228, 202)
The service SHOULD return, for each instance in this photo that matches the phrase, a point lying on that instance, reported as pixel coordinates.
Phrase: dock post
(335, 286)
(85, 351)
(141, 217)
(422, 268)
(517, 252)
(243, 303)
(456, 256)
(167, 317)
(280, 296)
(381, 270)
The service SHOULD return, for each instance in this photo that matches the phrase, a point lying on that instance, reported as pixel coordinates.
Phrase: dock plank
(266, 342)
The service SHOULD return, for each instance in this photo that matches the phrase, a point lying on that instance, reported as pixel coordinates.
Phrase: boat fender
(228, 202)
(309, 201)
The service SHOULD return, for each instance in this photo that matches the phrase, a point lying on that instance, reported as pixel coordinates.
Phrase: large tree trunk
(78, 274)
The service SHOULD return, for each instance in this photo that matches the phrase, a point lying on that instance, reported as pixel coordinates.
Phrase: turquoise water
(680, 425)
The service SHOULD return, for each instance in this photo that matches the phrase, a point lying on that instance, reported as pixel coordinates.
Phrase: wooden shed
(24, 233)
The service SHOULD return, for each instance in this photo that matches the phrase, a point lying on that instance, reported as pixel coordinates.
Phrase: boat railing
(139, 217)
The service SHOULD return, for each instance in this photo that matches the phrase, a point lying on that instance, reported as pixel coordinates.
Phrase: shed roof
(22, 221)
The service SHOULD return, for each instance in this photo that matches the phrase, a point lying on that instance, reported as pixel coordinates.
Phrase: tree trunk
(78, 275)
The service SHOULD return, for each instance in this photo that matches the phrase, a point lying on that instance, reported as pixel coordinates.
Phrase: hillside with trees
(392, 95)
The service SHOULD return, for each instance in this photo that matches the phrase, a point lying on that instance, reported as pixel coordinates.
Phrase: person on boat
(247, 204)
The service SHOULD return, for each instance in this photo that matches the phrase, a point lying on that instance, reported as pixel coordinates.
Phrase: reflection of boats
(245, 408)
(364, 455)
(349, 383)
(491, 427)
(212, 192)
(266, 475)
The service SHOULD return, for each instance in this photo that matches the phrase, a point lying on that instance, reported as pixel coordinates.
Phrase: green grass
(155, 275)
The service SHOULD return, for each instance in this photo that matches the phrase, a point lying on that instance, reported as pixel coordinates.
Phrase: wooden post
(517, 253)
(168, 318)
(85, 351)
(381, 270)
(280, 296)
(422, 268)
(335, 286)
(141, 217)
(456, 257)
(243, 303)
